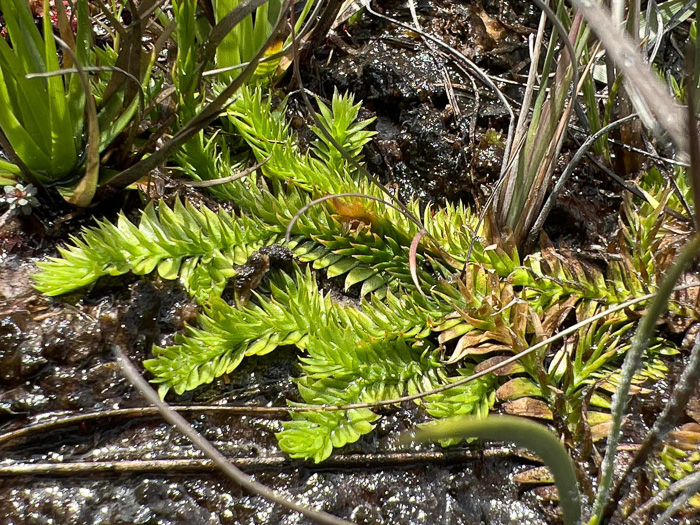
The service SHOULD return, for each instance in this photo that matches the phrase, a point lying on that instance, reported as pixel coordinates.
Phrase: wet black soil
(441, 132)
(430, 121)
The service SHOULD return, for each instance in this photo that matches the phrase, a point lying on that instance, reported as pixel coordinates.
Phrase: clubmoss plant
(403, 339)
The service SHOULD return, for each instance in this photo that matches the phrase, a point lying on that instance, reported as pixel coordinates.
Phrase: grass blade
(64, 156)
(633, 361)
(84, 192)
(524, 433)
(622, 50)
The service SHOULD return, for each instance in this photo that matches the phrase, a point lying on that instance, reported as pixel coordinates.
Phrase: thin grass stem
(222, 463)
(688, 482)
(578, 156)
(632, 363)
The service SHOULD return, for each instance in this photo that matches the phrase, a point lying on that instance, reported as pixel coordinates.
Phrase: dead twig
(221, 462)
(224, 180)
(255, 464)
(673, 410)
(305, 208)
(676, 488)
(52, 425)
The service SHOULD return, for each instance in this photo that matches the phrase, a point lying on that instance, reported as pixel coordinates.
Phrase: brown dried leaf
(507, 294)
(535, 476)
(65, 30)
(506, 370)
(677, 324)
(494, 288)
(693, 409)
(466, 285)
(689, 302)
(494, 27)
(547, 493)
(519, 314)
(601, 431)
(551, 262)
(473, 338)
(528, 407)
(464, 349)
(611, 387)
(687, 437)
(355, 213)
(555, 316)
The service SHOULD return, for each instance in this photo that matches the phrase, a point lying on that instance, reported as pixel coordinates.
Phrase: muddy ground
(435, 139)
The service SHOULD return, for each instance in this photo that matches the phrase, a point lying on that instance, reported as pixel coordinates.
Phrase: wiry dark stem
(633, 361)
(665, 422)
(211, 452)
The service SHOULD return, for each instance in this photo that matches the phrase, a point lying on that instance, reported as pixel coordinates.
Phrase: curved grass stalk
(223, 464)
(305, 208)
(633, 361)
(11, 437)
(523, 433)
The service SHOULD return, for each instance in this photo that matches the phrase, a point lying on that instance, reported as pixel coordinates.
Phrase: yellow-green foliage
(400, 339)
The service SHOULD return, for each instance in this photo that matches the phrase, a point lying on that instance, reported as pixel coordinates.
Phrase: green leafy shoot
(227, 334)
(247, 38)
(399, 340)
(198, 247)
